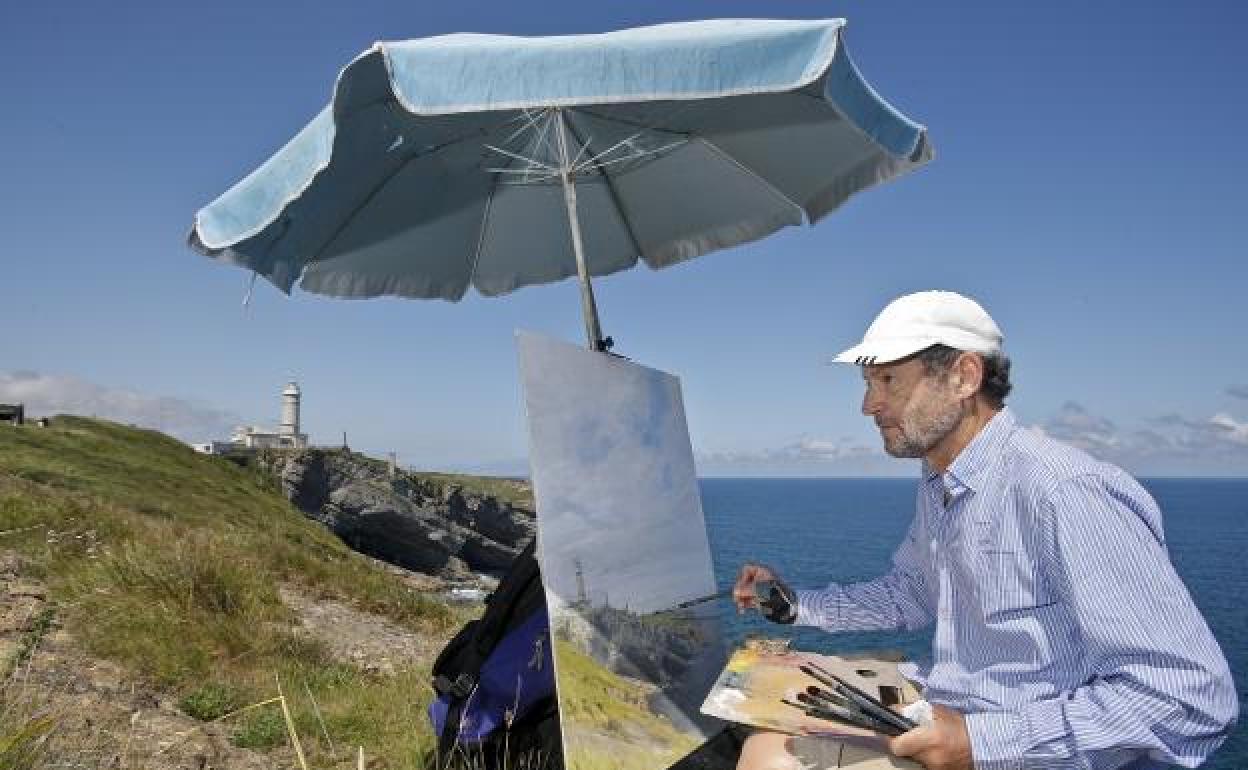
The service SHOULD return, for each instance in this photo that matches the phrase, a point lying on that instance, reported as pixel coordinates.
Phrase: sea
(816, 531)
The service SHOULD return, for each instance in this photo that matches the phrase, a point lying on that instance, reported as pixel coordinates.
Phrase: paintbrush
(812, 708)
(860, 699)
(831, 697)
(836, 704)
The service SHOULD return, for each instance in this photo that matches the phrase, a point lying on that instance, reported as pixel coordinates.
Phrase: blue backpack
(495, 680)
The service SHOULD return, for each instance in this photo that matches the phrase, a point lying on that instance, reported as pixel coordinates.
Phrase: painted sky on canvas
(613, 475)
(1086, 188)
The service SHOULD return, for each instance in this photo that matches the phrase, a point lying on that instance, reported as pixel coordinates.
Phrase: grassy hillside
(168, 563)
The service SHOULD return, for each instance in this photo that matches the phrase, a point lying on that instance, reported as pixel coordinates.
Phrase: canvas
(625, 560)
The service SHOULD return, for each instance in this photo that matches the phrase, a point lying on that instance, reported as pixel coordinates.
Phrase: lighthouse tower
(289, 429)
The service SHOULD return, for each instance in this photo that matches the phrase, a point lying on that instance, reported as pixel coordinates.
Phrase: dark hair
(938, 359)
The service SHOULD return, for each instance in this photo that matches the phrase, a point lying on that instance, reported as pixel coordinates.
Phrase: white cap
(917, 321)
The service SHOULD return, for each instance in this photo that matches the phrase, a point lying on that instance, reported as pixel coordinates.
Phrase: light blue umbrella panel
(499, 162)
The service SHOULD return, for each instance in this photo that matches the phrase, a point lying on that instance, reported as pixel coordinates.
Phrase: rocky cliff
(421, 522)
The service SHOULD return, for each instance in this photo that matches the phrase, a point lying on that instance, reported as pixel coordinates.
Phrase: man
(1064, 638)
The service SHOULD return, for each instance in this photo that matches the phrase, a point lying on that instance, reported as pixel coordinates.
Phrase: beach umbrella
(498, 162)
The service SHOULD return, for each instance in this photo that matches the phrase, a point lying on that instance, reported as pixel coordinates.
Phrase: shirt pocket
(1012, 586)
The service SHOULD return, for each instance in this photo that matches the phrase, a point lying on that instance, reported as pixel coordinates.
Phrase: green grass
(168, 562)
(514, 491)
(260, 730)
(212, 700)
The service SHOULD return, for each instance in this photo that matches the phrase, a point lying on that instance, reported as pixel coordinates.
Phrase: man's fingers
(743, 590)
(910, 742)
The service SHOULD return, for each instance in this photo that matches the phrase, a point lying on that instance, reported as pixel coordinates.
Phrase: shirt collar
(972, 462)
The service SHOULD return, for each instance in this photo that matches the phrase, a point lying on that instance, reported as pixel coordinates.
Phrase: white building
(214, 447)
(286, 436)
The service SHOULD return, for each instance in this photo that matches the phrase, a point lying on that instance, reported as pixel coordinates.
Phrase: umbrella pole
(589, 308)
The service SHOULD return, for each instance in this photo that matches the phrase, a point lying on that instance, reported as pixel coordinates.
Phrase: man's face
(913, 409)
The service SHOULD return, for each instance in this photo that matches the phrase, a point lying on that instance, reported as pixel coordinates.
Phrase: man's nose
(870, 404)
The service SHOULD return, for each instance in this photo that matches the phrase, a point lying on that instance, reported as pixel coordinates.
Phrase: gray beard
(916, 435)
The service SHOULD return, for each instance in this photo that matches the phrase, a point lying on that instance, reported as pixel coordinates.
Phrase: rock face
(418, 523)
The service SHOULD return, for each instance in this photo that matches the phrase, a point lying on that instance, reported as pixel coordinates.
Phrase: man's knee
(767, 751)
(776, 751)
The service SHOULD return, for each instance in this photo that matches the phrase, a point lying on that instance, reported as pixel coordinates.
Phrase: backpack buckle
(460, 688)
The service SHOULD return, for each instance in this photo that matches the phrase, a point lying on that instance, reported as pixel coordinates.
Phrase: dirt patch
(370, 642)
(95, 714)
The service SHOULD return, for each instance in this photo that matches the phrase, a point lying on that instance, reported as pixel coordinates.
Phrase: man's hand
(777, 601)
(743, 593)
(942, 745)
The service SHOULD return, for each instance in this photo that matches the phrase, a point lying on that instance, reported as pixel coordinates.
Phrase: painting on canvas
(625, 560)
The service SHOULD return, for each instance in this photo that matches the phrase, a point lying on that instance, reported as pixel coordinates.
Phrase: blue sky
(1085, 189)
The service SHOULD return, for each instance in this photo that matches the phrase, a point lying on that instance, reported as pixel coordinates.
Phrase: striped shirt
(1062, 630)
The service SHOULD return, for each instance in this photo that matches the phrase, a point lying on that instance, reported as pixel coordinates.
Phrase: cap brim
(883, 351)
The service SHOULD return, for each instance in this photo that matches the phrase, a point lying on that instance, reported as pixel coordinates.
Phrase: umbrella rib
(529, 123)
(533, 162)
(611, 191)
(485, 221)
(346, 221)
(751, 172)
(639, 125)
(601, 164)
(316, 255)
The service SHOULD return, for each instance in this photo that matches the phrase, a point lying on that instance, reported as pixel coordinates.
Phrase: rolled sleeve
(998, 740)
(1035, 738)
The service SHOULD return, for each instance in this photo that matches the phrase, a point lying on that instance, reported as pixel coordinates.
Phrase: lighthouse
(290, 413)
(287, 435)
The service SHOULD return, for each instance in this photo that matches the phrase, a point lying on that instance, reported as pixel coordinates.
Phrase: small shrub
(293, 648)
(212, 701)
(260, 729)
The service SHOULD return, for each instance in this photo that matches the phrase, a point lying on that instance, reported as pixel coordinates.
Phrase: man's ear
(967, 374)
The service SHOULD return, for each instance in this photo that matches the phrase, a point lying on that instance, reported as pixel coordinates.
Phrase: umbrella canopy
(463, 160)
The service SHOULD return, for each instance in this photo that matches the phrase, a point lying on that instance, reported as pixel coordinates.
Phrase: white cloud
(1075, 425)
(805, 456)
(1232, 430)
(826, 450)
(805, 449)
(1167, 444)
(51, 394)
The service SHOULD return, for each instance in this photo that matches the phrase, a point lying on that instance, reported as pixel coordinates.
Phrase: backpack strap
(504, 603)
(514, 596)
